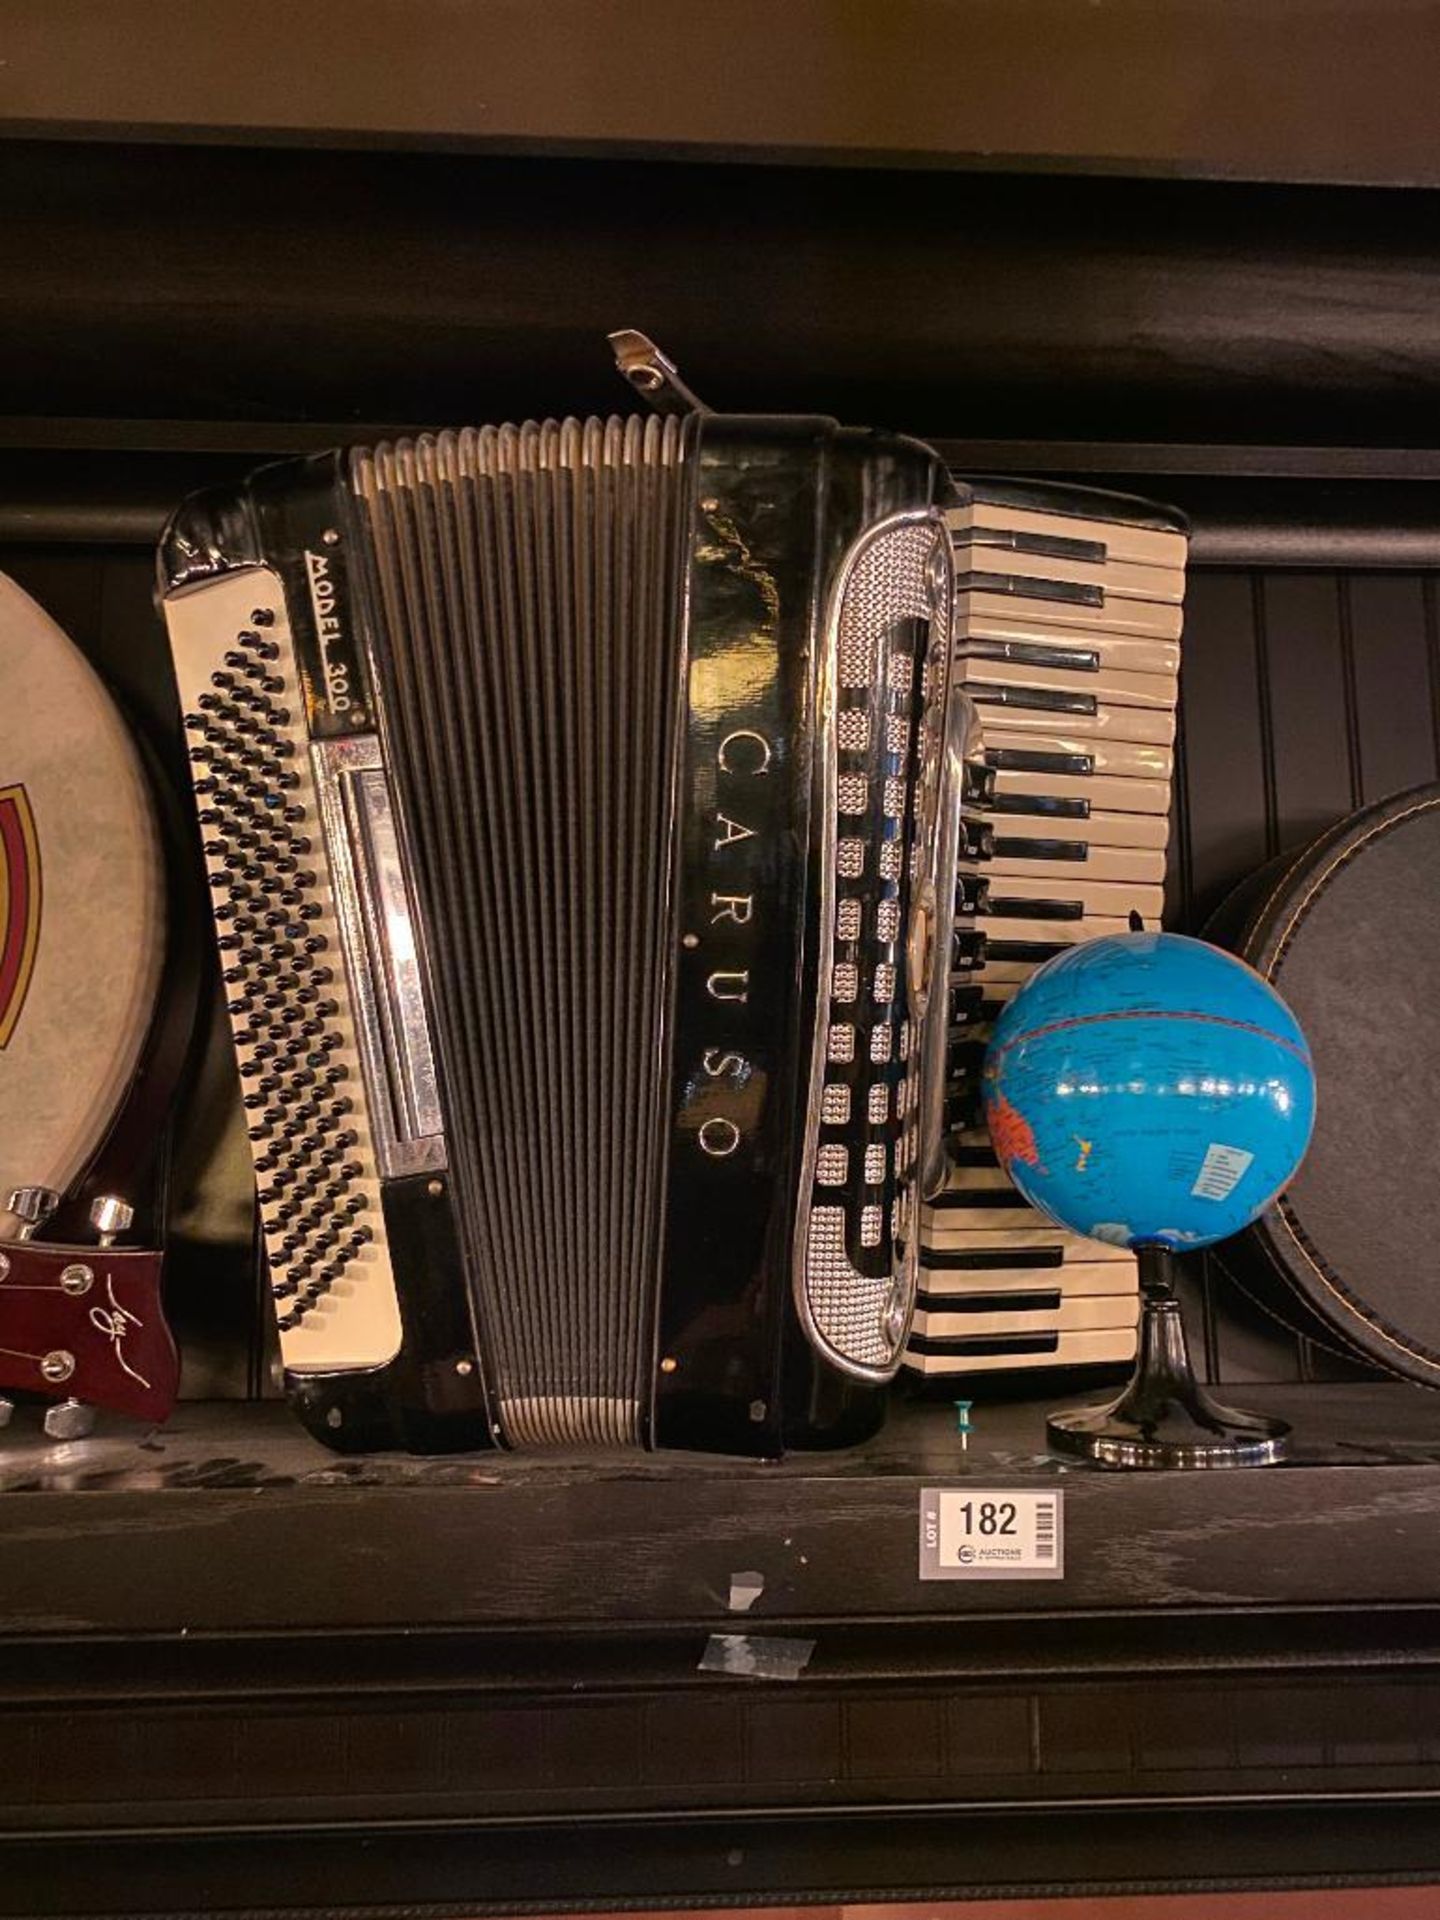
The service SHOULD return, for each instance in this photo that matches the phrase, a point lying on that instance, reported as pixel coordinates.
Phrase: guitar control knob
(69, 1420)
(32, 1207)
(110, 1216)
(7, 1407)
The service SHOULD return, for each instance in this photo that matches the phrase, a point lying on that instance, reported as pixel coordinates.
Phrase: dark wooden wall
(1255, 354)
(254, 286)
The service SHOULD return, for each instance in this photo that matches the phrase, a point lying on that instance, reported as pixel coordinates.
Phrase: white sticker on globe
(991, 1533)
(1220, 1170)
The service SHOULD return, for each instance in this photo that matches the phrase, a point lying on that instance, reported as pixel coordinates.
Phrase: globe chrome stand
(1165, 1418)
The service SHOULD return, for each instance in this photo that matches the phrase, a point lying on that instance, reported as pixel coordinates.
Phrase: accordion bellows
(613, 752)
(528, 581)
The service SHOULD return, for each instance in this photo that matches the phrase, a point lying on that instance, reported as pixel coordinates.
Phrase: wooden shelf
(500, 1541)
(489, 1669)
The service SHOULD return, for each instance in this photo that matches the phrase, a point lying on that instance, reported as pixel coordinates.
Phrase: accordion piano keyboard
(1068, 645)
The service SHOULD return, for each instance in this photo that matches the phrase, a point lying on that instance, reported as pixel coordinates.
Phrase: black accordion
(572, 800)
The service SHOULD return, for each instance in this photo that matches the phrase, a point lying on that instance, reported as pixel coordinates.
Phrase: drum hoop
(1341, 844)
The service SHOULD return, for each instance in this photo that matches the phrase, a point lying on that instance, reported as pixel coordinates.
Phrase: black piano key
(979, 1259)
(1019, 586)
(1049, 805)
(1052, 546)
(1025, 907)
(965, 1153)
(1029, 653)
(1012, 847)
(1040, 1301)
(973, 897)
(986, 1345)
(1033, 952)
(1035, 699)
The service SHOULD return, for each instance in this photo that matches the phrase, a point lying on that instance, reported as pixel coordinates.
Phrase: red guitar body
(87, 1322)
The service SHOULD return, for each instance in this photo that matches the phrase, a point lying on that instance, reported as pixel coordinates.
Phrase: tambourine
(82, 947)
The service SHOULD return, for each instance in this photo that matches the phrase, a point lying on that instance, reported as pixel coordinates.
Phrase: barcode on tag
(1045, 1529)
(1219, 1171)
(991, 1533)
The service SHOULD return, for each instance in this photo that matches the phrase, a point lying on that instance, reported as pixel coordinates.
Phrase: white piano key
(1002, 707)
(944, 1232)
(1135, 832)
(1117, 579)
(997, 973)
(1159, 692)
(1058, 932)
(983, 1221)
(1125, 866)
(1125, 759)
(1006, 964)
(1138, 542)
(1107, 793)
(1126, 652)
(982, 1180)
(1085, 1279)
(998, 992)
(1097, 1347)
(1046, 880)
(975, 1140)
(1153, 617)
(1065, 1315)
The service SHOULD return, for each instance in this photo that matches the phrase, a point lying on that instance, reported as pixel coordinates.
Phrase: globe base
(1165, 1418)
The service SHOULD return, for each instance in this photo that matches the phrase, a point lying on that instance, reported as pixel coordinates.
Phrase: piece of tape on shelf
(756, 1656)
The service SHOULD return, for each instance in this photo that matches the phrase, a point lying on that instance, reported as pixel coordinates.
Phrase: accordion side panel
(527, 585)
(322, 1211)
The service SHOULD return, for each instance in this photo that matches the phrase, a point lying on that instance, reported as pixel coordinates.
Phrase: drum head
(1349, 933)
(82, 923)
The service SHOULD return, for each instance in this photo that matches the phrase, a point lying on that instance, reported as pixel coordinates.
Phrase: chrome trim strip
(373, 910)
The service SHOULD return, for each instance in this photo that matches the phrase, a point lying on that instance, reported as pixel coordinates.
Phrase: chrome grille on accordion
(570, 797)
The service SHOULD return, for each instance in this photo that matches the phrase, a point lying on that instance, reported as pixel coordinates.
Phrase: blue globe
(1148, 1089)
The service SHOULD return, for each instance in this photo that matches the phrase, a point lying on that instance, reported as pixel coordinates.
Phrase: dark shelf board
(500, 1542)
(231, 1661)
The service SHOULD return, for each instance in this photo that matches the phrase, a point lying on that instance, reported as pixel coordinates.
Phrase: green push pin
(962, 1423)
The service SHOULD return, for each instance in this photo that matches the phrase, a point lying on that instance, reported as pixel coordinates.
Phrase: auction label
(991, 1533)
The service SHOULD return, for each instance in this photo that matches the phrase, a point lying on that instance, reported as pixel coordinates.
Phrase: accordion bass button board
(1067, 647)
(287, 987)
(570, 798)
